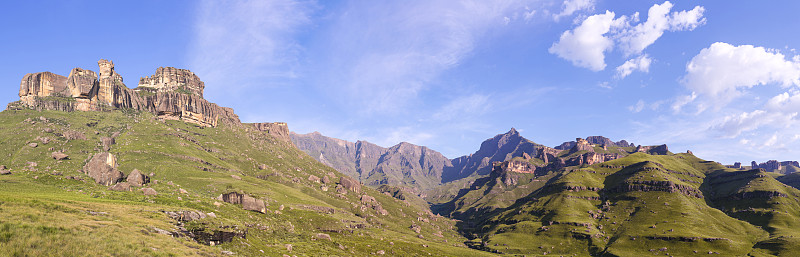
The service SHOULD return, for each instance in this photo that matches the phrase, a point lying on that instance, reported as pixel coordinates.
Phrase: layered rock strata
(170, 93)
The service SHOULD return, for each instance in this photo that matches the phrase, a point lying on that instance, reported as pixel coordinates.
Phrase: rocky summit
(170, 93)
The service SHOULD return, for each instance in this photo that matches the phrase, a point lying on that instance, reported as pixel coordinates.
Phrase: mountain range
(90, 167)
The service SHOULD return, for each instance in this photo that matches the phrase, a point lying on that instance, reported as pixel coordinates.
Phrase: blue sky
(716, 78)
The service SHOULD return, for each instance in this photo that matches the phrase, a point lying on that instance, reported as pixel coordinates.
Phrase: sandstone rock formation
(102, 168)
(278, 130)
(171, 94)
(41, 84)
(169, 79)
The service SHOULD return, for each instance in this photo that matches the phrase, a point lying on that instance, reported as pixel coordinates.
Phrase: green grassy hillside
(49, 207)
(673, 205)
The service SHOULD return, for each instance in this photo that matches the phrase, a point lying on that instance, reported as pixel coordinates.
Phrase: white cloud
(634, 40)
(572, 6)
(585, 46)
(641, 63)
(784, 102)
(251, 39)
(720, 71)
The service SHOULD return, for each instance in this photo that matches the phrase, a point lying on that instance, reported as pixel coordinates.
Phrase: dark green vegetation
(44, 211)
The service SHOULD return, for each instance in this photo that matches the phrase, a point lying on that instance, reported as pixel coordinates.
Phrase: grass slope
(43, 212)
(641, 204)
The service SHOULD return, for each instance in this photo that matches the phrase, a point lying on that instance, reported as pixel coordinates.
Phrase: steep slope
(336, 153)
(403, 164)
(499, 148)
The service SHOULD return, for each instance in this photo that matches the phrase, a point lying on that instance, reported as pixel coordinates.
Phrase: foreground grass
(43, 212)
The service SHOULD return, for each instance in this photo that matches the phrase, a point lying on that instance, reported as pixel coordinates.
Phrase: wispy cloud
(238, 42)
(383, 55)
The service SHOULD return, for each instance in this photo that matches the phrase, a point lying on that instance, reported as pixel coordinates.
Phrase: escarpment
(171, 93)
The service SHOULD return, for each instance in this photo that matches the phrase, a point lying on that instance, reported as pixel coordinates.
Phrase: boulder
(323, 236)
(149, 191)
(350, 184)
(33, 145)
(107, 142)
(236, 177)
(136, 178)
(59, 155)
(313, 178)
(124, 186)
(74, 135)
(252, 204)
(325, 179)
(5, 172)
(102, 168)
(247, 202)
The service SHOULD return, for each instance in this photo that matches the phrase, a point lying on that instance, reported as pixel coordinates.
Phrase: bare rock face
(350, 184)
(171, 94)
(40, 85)
(247, 202)
(136, 178)
(102, 168)
(278, 130)
(169, 79)
(582, 145)
(82, 83)
(654, 149)
(189, 108)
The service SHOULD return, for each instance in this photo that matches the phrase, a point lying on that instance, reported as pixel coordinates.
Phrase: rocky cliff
(169, 79)
(403, 164)
(170, 93)
(278, 130)
(497, 149)
(596, 140)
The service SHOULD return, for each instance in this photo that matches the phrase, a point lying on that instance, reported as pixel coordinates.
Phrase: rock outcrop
(278, 130)
(595, 140)
(169, 79)
(247, 202)
(103, 169)
(653, 149)
(171, 93)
